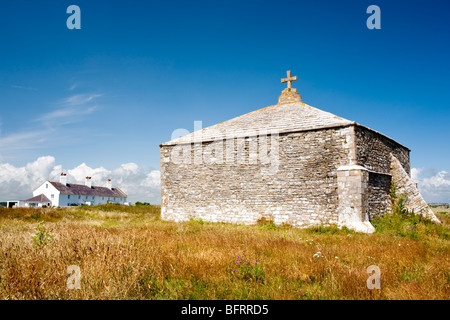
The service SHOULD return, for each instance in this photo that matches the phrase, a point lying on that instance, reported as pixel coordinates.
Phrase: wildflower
(247, 262)
(237, 261)
(238, 257)
(256, 262)
(317, 255)
(234, 270)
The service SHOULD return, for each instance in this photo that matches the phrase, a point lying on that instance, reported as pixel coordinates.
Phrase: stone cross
(289, 79)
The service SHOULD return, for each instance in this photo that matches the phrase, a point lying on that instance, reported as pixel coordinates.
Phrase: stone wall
(379, 199)
(303, 192)
(373, 151)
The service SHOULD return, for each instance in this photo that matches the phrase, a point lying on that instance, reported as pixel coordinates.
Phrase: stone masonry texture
(329, 170)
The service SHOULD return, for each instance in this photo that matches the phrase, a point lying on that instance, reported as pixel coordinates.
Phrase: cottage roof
(83, 190)
(40, 198)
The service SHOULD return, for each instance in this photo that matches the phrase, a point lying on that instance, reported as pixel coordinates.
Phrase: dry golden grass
(129, 253)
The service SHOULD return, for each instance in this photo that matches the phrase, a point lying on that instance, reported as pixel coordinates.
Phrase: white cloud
(79, 99)
(18, 183)
(65, 115)
(434, 187)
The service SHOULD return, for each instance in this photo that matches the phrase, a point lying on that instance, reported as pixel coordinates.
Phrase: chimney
(88, 182)
(63, 178)
(109, 184)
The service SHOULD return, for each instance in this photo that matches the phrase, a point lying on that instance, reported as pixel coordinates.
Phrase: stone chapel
(289, 163)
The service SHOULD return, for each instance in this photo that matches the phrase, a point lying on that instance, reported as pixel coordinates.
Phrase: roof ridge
(77, 184)
(285, 117)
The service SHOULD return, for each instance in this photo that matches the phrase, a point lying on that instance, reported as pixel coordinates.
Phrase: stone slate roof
(290, 117)
(279, 118)
(83, 190)
(39, 198)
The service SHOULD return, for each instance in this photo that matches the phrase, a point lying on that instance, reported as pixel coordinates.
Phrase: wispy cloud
(22, 87)
(46, 129)
(79, 99)
(65, 115)
(71, 109)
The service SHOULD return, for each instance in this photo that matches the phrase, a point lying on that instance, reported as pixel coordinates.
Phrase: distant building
(38, 201)
(61, 194)
(439, 205)
(15, 203)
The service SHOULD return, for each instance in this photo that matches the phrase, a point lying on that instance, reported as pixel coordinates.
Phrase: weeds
(404, 223)
(333, 229)
(248, 270)
(265, 224)
(42, 237)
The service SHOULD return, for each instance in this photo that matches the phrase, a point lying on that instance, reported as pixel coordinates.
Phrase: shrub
(333, 229)
(265, 224)
(42, 237)
(138, 203)
(405, 223)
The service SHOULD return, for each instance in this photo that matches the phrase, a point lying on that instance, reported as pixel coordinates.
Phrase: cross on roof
(289, 79)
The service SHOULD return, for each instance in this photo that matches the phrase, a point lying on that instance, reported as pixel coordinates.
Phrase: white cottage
(62, 194)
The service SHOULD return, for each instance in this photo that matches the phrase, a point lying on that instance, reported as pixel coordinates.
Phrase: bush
(142, 204)
(42, 237)
(333, 229)
(405, 223)
(265, 224)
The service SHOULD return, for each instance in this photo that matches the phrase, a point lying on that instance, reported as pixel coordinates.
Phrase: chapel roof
(84, 190)
(289, 115)
(280, 118)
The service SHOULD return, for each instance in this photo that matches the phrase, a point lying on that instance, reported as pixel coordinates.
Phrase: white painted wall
(48, 190)
(63, 200)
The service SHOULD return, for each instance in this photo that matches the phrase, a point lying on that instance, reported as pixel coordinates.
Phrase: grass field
(129, 253)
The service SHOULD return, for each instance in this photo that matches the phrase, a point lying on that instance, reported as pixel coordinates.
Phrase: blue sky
(108, 94)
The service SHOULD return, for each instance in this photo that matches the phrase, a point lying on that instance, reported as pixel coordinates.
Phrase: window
(68, 196)
(79, 197)
(52, 196)
(46, 185)
(103, 198)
